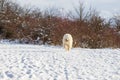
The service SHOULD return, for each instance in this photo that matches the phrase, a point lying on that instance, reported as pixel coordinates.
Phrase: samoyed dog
(67, 42)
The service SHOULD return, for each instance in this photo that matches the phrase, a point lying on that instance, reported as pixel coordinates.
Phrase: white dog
(67, 42)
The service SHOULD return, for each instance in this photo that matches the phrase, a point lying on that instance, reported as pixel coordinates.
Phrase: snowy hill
(30, 62)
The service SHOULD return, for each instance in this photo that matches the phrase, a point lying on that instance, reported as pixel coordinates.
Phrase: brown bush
(34, 26)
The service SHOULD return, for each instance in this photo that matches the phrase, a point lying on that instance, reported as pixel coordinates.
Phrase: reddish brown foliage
(35, 27)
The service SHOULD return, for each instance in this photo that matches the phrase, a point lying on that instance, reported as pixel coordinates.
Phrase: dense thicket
(34, 26)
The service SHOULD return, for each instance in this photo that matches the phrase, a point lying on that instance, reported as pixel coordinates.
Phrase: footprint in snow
(1, 75)
(9, 74)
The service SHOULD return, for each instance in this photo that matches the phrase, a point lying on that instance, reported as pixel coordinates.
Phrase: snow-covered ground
(34, 62)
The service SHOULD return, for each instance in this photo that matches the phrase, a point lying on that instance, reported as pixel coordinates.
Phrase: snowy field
(30, 62)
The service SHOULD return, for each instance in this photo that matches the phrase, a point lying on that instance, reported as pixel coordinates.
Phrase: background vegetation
(33, 26)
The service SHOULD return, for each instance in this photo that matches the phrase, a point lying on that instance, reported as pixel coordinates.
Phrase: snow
(6, 41)
(39, 62)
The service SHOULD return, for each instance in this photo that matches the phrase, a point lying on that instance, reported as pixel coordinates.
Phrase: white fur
(67, 42)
